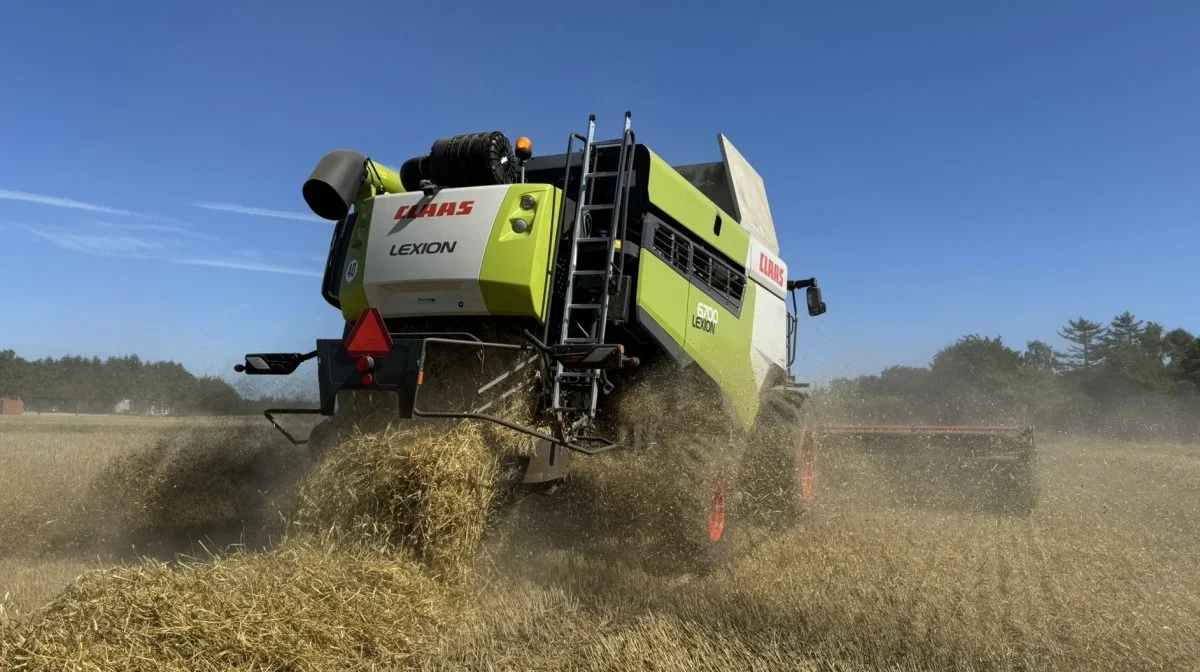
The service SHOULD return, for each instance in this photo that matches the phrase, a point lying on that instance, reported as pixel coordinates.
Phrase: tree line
(117, 385)
(1127, 377)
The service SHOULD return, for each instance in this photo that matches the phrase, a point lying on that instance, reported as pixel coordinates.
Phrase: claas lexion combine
(596, 271)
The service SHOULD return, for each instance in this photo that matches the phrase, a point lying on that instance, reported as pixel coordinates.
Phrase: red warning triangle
(369, 337)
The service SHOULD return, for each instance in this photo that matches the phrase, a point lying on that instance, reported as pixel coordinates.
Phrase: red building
(11, 406)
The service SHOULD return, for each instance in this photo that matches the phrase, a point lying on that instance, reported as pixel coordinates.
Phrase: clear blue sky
(943, 168)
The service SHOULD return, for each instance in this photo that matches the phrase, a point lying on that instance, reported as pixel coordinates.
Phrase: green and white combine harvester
(600, 270)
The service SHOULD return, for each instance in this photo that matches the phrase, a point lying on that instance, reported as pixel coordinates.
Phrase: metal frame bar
(270, 414)
(474, 341)
(497, 420)
(991, 430)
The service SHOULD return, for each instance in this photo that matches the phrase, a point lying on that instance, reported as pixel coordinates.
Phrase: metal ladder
(598, 230)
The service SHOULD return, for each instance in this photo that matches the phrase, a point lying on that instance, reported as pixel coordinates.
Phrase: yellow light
(524, 148)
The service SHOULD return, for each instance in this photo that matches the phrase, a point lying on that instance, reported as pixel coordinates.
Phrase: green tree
(1086, 339)
(900, 381)
(1133, 357)
(1154, 343)
(1175, 344)
(976, 379)
(215, 396)
(1125, 331)
(1040, 356)
(1189, 364)
(10, 373)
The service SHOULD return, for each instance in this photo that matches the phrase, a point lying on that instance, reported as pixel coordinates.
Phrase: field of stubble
(1104, 576)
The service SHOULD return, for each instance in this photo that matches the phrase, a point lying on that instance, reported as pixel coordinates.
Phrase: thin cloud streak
(99, 244)
(244, 265)
(10, 195)
(152, 249)
(160, 228)
(60, 202)
(261, 212)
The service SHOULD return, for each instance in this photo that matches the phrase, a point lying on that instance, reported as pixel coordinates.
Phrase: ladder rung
(597, 206)
(604, 173)
(594, 239)
(590, 272)
(578, 339)
(584, 306)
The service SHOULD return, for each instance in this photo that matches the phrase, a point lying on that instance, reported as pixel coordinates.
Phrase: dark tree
(1188, 367)
(89, 384)
(1040, 356)
(1175, 344)
(1124, 333)
(1086, 338)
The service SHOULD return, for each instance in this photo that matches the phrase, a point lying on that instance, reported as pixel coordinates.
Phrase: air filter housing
(471, 160)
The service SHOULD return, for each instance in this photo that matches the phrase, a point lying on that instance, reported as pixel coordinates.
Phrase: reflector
(369, 337)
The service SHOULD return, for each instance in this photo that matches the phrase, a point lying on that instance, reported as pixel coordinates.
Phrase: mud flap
(550, 462)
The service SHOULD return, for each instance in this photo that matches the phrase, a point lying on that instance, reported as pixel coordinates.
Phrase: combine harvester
(597, 272)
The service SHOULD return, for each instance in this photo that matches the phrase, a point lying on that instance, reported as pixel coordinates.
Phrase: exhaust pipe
(339, 176)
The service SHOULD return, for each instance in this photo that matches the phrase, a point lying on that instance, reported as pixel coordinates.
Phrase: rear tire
(781, 462)
(703, 511)
(689, 449)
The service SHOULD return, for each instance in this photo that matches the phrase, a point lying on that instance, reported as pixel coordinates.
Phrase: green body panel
(682, 201)
(725, 354)
(380, 179)
(352, 295)
(664, 294)
(673, 303)
(384, 179)
(515, 275)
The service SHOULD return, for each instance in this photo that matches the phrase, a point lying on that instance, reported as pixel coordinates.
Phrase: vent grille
(706, 269)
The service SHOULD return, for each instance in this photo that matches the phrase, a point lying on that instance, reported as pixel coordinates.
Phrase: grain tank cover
(749, 196)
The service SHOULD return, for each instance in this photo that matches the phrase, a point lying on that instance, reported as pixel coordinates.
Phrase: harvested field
(1103, 576)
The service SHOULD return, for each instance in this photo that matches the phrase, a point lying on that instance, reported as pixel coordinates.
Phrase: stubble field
(1105, 575)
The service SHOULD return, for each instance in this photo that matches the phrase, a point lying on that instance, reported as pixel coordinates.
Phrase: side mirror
(815, 305)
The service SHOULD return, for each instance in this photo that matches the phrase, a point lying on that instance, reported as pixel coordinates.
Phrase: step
(578, 376)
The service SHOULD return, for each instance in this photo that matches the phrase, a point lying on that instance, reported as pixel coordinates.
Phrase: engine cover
(465, 251)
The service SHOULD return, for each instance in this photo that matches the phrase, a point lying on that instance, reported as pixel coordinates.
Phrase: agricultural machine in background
(984, 468)
(542, 294)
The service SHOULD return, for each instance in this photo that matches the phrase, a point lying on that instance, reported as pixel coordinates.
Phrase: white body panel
(425, 254)
(768, 335)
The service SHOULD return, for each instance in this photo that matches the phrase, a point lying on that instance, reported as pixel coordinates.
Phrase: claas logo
(770, 268)
(444, 209)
